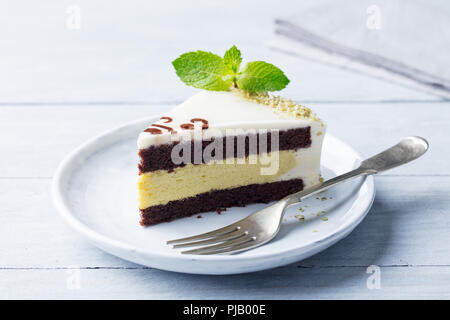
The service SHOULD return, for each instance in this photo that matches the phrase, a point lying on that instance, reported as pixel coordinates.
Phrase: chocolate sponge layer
(219, 200)
(159, 157)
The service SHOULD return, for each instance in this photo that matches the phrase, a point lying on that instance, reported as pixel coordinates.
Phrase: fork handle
(301, 195)
(408, 149)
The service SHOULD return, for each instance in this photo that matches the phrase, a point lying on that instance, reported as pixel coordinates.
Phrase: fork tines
(224, 240)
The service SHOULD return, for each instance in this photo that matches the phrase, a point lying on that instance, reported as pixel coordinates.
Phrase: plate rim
(65, 170)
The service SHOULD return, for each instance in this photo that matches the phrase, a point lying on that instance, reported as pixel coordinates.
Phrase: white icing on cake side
(308, 164)
(225, 110)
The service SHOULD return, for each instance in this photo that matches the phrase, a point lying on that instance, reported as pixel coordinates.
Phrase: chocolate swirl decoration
(184, 126)
(158, 131)
(153, 131)
(187, 126)
(205, 124)
(168, 119)
(162, 127)
(190, 126)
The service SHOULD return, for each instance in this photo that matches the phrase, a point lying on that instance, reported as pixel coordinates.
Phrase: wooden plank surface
(59, 87)
(122, 51)
(289, 282)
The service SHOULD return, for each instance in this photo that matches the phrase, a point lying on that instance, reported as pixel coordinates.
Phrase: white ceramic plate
(95, 191)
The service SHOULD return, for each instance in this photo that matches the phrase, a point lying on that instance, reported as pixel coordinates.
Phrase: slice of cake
(226, 148)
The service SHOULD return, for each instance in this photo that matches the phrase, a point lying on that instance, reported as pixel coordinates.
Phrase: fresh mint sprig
(209, 71)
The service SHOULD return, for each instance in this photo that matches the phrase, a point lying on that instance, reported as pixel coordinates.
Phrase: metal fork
(263, 225)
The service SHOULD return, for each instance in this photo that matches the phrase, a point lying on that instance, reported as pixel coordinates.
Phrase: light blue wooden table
(60, 86)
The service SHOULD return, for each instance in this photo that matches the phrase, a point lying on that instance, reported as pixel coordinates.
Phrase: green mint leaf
(260, 76)
(204, 70)
(232, 58)
(209, 71)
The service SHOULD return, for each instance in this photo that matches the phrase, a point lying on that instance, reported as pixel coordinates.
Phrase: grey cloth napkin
(406, 42)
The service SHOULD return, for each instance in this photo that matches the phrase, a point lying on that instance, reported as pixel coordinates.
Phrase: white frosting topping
(227, 110)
